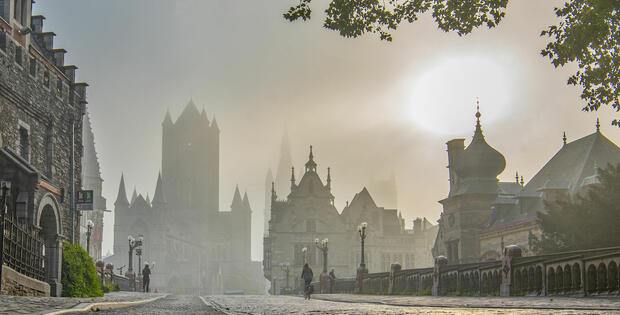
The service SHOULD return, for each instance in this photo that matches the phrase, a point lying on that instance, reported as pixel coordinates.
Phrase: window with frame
(3, 40)
(59, 87)
(33, 66)
(24, 143)
(20, 12)
(19, 56)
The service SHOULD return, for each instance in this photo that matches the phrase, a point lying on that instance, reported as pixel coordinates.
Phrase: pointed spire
(148, 199)
(121, 198)
(564, 138)
(273, 193)
(517, 177)
(598, 126)
(293, 178)
(237, 202)
(310, 165)
(478, 136)
(246, 201)
(134, 195)
(159, 197)
(329, 179)
(167, 119)
(214, 124)
(522, 183)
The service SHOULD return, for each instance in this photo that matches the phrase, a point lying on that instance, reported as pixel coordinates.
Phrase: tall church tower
(190, 161)
(282, 182)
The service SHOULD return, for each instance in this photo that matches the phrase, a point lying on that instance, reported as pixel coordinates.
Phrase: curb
(472, 306)
(103, 306)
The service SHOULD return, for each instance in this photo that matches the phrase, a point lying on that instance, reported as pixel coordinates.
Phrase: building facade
(196, 248)
(308, 213)
(482, 215)
(41, 112)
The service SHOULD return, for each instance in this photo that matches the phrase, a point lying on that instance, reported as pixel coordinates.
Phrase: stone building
(41, 112)
(91, 180)
(482, 215)
(196, 247)
(308, 213)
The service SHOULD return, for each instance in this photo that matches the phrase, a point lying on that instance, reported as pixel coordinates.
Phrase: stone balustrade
(578, 273)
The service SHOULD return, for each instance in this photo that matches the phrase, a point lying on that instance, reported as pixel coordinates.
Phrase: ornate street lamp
(133, 244)
(286, 268)
(139, 254)
(4, 186)
(89, 229)
(362, 230)
(322, 245)
(362, 270)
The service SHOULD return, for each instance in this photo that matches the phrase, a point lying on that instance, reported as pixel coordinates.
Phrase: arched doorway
(49, 222)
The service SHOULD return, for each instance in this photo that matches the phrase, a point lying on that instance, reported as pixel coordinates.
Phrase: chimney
(455, 149)
(417, 225)
(37, 23)
(69, 72)
(80, 89)
(48, 40)
(59, 57)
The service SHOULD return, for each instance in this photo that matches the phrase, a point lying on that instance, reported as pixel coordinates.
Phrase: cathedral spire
(310, 165)
(329, 179)
(121, 198)
(284, 164)
(134, 195)
(159, 197)
(292, 177)
(237, 202)
(246, 202)
(273, 193)
(167, 119)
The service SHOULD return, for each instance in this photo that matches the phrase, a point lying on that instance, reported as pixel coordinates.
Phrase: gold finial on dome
(478, 109)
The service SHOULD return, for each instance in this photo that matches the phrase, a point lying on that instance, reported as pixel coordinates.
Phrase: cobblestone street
(424, 305)
(30, 305)
(174, 304)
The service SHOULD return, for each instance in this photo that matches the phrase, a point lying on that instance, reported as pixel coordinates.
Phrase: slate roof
(567, 169)
(310, 186)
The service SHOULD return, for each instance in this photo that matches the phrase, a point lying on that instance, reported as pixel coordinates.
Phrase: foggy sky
(256, 73)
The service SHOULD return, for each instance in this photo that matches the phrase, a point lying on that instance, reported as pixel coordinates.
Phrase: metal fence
(23, 249)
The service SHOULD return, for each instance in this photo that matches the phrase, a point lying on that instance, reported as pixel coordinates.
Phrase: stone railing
(577, 273)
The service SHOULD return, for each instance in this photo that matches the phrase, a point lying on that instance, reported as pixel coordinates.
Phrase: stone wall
(14, 283)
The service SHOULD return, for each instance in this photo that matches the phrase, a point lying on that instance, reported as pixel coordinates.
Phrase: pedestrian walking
(332, 280)
(307, 275)
(146, 278)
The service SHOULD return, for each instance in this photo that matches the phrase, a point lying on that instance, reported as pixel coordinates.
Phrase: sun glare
(442, 97)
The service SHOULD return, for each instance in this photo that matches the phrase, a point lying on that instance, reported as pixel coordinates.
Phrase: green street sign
(84, 200)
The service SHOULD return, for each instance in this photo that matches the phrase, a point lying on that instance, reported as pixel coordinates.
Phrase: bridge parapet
(576, 273)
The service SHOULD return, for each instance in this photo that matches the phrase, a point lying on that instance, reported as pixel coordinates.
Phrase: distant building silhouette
(308, 212)
(196, 247)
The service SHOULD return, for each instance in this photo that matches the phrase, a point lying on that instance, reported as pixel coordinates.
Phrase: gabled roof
(310, 185)
(121, 197)
(190, 113)
(575, 161)
(360, 201)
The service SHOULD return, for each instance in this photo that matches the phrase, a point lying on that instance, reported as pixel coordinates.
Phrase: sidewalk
(589, 303)
(43, 305)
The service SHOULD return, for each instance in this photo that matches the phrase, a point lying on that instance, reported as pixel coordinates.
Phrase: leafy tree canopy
(589, 221)
(587, 33)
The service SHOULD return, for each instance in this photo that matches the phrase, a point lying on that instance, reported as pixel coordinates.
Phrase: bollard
(393, 269)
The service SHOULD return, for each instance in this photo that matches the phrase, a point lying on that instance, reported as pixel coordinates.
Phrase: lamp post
(4, 186)
(89, 230)
(362, 270)
(139, 254)
(286, 268)
(133, 244)
(322, 245)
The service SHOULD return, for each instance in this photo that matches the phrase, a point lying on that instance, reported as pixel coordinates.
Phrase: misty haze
(312, 156)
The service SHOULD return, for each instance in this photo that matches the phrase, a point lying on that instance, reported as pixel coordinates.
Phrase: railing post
(510, 253)
(440, 261)
(362, 271)
(393, 269)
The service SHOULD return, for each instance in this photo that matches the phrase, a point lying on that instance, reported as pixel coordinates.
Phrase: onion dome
(479, 159)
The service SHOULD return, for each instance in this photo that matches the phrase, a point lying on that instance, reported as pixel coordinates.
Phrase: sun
(441, 98)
